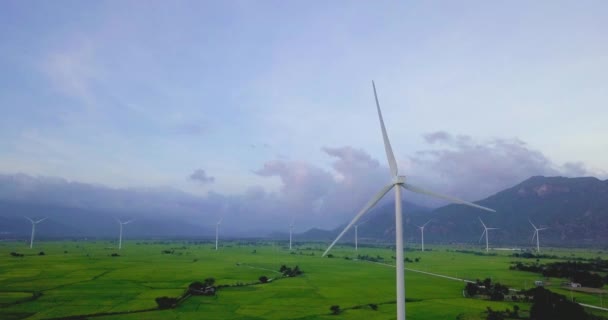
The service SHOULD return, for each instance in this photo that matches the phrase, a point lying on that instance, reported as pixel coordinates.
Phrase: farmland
(75, 278)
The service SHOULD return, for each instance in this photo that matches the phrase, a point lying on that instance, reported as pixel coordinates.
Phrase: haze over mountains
(575, 210)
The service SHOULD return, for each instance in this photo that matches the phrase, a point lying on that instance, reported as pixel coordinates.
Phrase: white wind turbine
(217, 232)
(537, 235)
(422, 232)
(120, 223)
(357, 235)
(485, 231)
(291, 231)
(398, 182)
(34, 223)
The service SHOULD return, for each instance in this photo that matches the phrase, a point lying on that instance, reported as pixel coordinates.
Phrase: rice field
(82, 278)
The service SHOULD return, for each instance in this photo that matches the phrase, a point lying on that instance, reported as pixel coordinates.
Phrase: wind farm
(303, 160)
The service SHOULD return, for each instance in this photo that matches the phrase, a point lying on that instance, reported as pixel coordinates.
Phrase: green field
(82, 278)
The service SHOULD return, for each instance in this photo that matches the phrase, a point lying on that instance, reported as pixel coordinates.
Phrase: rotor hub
(399, 180)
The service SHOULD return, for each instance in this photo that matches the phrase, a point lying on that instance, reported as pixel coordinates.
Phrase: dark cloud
(437, 136)
(200, 176)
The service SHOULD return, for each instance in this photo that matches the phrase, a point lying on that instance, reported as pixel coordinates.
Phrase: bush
(263, 279)
(41, 253)
(335, 309)
(166, 302)
(15, 254)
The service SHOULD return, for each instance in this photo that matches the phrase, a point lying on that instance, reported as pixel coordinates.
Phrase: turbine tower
(291, 231)
(485, 231)
(397, 183)
(217, 232)
(357, 234)
(422, 232)
(34, 223)
(120, 223)
(537, 235)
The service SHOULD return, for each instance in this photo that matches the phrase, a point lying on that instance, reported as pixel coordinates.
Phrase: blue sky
(128, 94)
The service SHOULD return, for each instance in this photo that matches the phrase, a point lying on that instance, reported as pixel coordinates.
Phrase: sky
(272, 100)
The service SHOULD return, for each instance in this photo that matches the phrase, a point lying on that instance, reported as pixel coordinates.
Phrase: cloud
(303, 184)
(472, 169)
(437, 136)
(201, 177)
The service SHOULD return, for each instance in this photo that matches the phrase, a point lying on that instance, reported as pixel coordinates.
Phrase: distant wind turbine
(217, 232)
(120, 223)
(34, 223)
(537, 235)
(485, 231)
(357, 235)
(398, 182)
(291, 231)
(422, 232)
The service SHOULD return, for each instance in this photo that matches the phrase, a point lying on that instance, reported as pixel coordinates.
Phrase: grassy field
(82, 278)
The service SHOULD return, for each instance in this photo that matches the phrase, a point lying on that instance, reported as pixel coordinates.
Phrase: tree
(263, 279)
(551, 306)
(471, 289)
(166, 302)
(209, 282)
(335, 309)
(516, 311)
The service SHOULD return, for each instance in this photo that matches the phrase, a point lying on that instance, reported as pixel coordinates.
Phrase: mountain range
(574, 209)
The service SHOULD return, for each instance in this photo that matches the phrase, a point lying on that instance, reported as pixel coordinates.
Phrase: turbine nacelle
(400, 180)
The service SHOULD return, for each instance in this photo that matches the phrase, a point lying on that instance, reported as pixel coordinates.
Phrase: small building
(575, 285)
(539, 283)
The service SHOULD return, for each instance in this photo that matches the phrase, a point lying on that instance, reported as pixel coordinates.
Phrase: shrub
(335, 309)
(166, 302)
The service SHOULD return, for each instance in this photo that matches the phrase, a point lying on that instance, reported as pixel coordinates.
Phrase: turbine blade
(32, 221)
(483, 224)
(533, 236)
(441, 196)
(424, 225)
(129, 221)
(484, 232)
(363, 211)
(41, 219)
(535, 228)
(493, 228)
(387, 144)
(542, 229)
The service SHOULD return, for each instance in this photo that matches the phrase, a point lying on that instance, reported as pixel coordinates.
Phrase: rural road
(463, 280)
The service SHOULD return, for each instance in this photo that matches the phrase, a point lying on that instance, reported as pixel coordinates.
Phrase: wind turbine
(120, 237)
(291, 231)
(537, 235)
(485, 231)
(217, 231)
(34, 223)
(357, 234)
(397, 182)
(422, 232)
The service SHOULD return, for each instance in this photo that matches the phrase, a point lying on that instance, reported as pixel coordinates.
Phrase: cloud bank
(312, 195)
